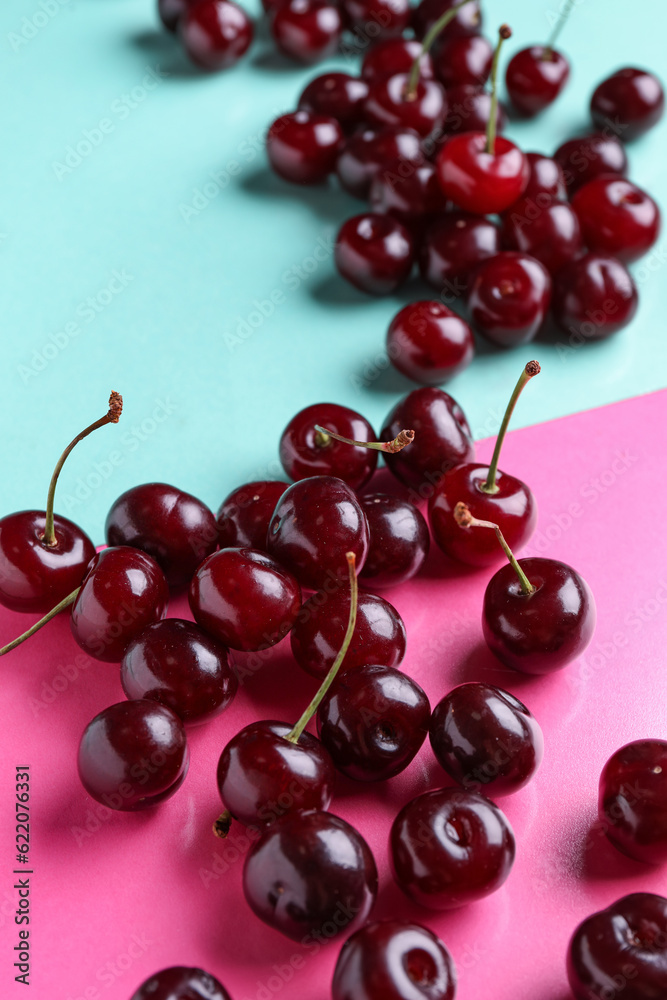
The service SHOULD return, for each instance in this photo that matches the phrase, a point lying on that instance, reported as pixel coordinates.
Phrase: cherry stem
(427, 43)
(465, 519)
(390, 447)
(298, 729)
(557, 28)
(532, 368)
(503, 32)
(66, 601)
(112, 417)
(222, 825)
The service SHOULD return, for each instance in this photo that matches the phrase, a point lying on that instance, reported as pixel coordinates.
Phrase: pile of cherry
(309, 874)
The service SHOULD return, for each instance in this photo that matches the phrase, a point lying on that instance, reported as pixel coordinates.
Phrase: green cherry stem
(465, 519)
(403, 438)
(427, 43)
(66, 601)
(532, 368)
(503, 32)
(557, 28)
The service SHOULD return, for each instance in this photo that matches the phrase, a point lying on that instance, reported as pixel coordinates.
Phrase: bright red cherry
(629, 102)
(408, 191)
(302, 147)
(546, 181)
(588, 156)
(133, 755)
(450, 847)
(306, 30)
(463, 60)
(429, 343)
(593, 297)
(171, 11)
(395, 55)
(388, 103)
(305, 451)
(177, 664)
(451, 248)
(469, 110)
(535, 77)
(508, 298)
(394, 960)
(336, 95)
(617, 217)
(632, 803)
(215, 33)
(466, 21)
(179, 982)
(550, 233)
(375, 253)
(399, 541)
(243, 517)
(366, 153)
(392, 17)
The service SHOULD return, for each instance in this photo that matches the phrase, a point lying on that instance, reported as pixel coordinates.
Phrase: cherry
(391, 17)
(508, 298)
(311, 876)
(171, 11)
(375, 253)
(306, 30)
(463, 60)
(466, 20)
(429, 343)
(395, 55)
(593, 297)
(450, 847)
(535, 77)
(469, 110)
(486, 739)
(180, 983)
(394, 960)
(495, 495)
(633, 800)
(588, 156)
(305, 451)
(302, 147)
(442, 437)
(133, 755)
(451, 248)
(244, 515)
(626, 943)
(399, 541)
(336, 95)
(244, 598)
(177, 664)
(366, 152)
(408, 191)
(389, 102)
(215, 33)
(546, 180)
(617, 217)
(629, 102)
(550, 233)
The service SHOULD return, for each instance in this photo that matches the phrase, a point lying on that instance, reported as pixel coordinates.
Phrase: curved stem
(427, 43)
(557, 28)
(503, 32)
(298, 729)
(391, 447)
(66, 601)
(465, 519)
(532, 368)
(112, 417)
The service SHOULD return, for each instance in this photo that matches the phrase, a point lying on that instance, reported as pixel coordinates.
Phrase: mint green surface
(145, 265)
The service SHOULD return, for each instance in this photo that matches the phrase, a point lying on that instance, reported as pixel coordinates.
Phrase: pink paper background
(117, 898)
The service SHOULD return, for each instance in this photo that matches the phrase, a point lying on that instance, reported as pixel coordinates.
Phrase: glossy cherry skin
(588, 156)
(123, 591)
(535, 77)
(482, 182)
(469, 110)
(262, 775)
(399, 541)
(336, 95)
(244, 598)
(311, 876)
(626, 943)
(387, 104)
(467, 22)
(508, 298)
(34, 577)
(181, 983)
(303, 453)
(546, 181)
(632, 803)
(594, 296)
(451, 248)
(315, 523)
(543, 631)
(173, 527)
(463, 60)
(306, 30)
(443, 438)
(617, 217)
(379, 634)
(429, 343)
(215, 33)
(629, 102)
(392, 17)
(408, 191)
(394, 960)
(133, 755)
(171, 11)
(513, 508)
(243, 517)
(366, 153)
(395, 55)
(375, 253)
(486, 739)
(551, 233)
(177, 664)
(373, 722)
(450, 847)
(302, 147)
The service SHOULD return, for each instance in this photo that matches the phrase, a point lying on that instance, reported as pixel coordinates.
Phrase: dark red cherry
(535, 77)
(262, 775)
(632, 803)
(463, 60)
(586, 157)
(621, 951)
(311, 876)
(215, 33)
(508, 298)
(171, 11)
(173, 527)
(442, 438)
(123, 591)
(467, 22)
(306, 452)
(388, 104)
(244, 598)
(478, 181)
(317, 636)
(177, 664)
(450, 847)
(629, 103)
(399, 541)
(365, 153)
(429, 343)
(546, 181)
(469, 110)
(306, 30)
(395, 55)
(180, 983)
(373, 722)
(391, 17)
(302, 147)
(375, 253)
(394, 960)
(593, 297)
(617, 217)
(451, 248)
(133, 755)
(408, 191)
(486, 739)
(550, 233)
(243, 516)
(336, 95)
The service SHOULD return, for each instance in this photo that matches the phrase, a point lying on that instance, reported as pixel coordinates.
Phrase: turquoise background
(205, 404)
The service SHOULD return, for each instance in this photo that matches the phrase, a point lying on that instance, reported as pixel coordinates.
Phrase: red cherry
(546, 181)
(392, 17)
(388, 104)
(451, 248)
(243, 517)
(395, 55)
(594, 297)
(478, 181)
(617, 217)
(508, 298)
(215, 33)
(178, 982)
(408, 191)
(399, 541)
(375, 253)
(429, 343)
(463, 60)
(336, 95)
(469, 110)
(305, 451)
(366, 153)
(550, 233)
(302, 147)
(307, 30)
(629, 103)
(467, 21)
(632, 803)
(535, 77)
(584, 158)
